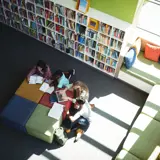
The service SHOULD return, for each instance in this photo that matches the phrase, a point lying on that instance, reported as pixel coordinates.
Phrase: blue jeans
(81, 123)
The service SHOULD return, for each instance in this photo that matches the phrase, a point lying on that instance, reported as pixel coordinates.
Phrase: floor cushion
(40, 125)
(45, 100)
(30, 91)
(143, 137)
(124, 155)
(144, 69)
(17, 112)
(152, 104)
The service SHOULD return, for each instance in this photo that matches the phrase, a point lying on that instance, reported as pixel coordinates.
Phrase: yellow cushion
(30, 91)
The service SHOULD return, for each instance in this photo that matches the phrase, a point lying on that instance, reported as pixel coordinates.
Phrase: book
(60, 96)
(46, 88)
(35, 79)
(56, 111)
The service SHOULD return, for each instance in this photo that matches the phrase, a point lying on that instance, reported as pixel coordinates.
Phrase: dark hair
(42, 64)
(80, 101)
(58, 73)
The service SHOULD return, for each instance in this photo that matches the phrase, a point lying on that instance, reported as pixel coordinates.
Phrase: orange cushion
(30, 91)
(152, 52)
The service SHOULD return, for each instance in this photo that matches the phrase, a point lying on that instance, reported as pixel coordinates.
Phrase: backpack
(60, 136)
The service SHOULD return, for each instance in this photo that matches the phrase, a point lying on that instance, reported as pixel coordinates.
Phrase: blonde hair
(84, 90)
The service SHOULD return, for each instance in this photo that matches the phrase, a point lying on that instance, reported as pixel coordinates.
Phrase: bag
(60, 136)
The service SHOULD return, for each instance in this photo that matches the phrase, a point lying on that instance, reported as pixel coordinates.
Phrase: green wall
(122, 9)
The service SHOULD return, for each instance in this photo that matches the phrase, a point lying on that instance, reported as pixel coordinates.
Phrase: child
(61, 79)
(41, 69)
(80, 119)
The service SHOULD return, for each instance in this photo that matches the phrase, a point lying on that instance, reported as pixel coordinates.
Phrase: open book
(56, 111)
(34, 79)
(46, 88)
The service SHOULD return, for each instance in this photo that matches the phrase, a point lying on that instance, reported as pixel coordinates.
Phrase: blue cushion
(130, 58)
(17, 112)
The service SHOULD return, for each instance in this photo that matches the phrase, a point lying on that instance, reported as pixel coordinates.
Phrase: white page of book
(50, 90)
(44, 87)
(56, 111)
(39, 80)
(32, 79)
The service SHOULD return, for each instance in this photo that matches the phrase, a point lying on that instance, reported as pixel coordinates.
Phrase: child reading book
(41, 69)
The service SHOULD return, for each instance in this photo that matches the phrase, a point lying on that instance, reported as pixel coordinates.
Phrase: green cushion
(40, 125)
(143, 137)
(152, 105)
(124, 155)
(145, 70)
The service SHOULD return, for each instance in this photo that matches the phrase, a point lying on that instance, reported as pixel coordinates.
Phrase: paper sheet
(56, 111)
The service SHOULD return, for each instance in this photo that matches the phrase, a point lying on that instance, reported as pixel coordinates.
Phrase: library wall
(122, 9)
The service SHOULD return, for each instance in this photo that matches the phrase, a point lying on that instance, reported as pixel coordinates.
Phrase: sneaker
(72, 73)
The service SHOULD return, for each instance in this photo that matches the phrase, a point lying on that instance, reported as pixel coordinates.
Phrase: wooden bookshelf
(58, 24)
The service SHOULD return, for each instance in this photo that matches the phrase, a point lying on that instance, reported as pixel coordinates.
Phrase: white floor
(112, 117)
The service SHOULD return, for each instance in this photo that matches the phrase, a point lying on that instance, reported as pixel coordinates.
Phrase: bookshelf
(58, 24)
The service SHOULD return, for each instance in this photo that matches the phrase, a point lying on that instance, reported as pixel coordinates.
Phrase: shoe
(67, 130)
(72, 73)
(77, 138)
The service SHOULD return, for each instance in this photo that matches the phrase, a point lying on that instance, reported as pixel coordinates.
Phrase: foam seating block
(30, 91)
(17, 112)
(124, 155)
(152, 104)
(45, 100)
(143, 137)
(41, 126)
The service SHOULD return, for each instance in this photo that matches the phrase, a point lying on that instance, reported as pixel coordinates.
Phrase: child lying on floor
(61, 79)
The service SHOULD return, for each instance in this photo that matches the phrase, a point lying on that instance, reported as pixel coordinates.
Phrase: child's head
(79, 103)
(58, 73)
(41, 66)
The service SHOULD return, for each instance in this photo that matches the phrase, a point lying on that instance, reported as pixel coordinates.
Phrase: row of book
(70, 14)
(70, 44)
(49, 15)
(70, 34)
(92, 34)
(60, 10)
(79, 55)
(104, 39)
(60, 39)
(91, 43)
(59, 19)
(90, 51)
(118, 33)
(81, 19)
(59, 29)
(104, 28)
(49, 5)
(40, 11)
(89, 60)
(70, 24)
(79, 47)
